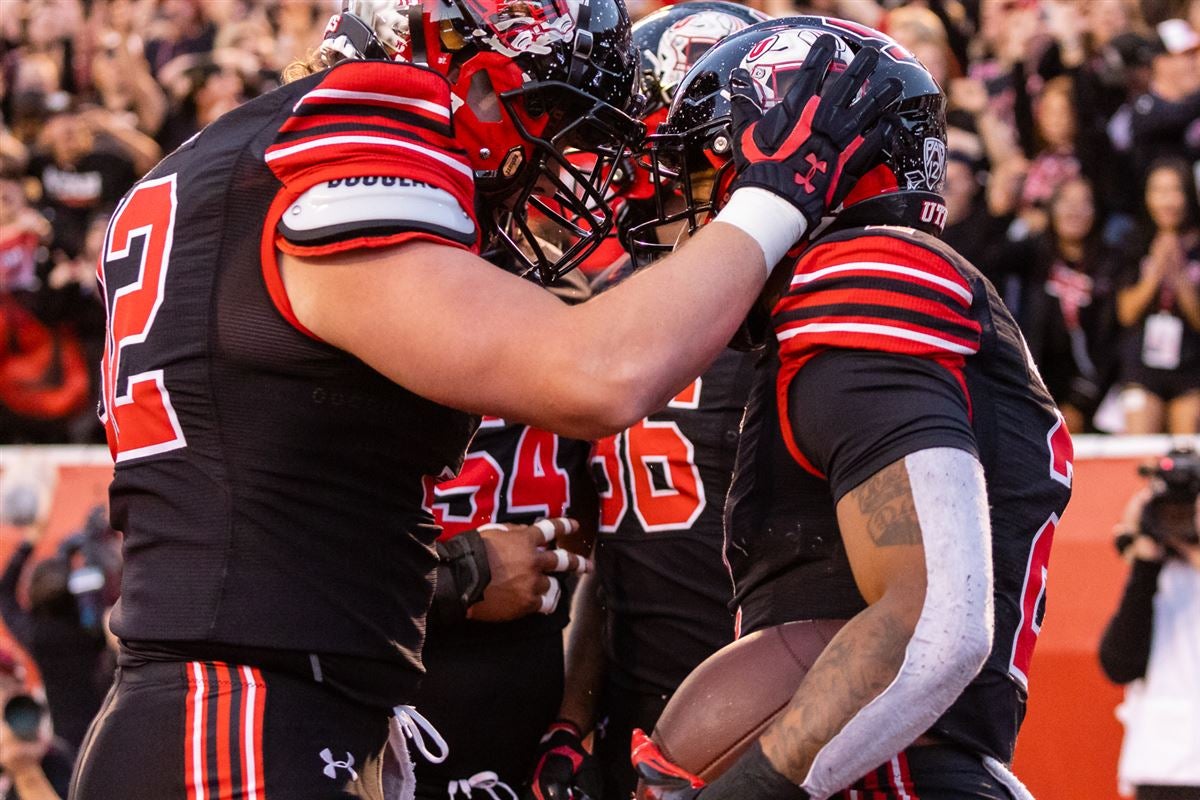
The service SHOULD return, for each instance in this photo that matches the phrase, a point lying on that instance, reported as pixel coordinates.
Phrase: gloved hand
(658, 778)
(751, 776)
(812, 147)
(565, 770)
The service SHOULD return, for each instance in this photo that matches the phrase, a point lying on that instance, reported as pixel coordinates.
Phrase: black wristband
(463, 573)
(753, 777)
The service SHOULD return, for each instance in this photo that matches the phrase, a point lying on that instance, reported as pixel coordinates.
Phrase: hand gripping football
(730, 699)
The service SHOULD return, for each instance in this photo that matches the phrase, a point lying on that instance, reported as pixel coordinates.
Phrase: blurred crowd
(1071, 178)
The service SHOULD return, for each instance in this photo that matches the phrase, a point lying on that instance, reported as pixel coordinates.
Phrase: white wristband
(774, 223)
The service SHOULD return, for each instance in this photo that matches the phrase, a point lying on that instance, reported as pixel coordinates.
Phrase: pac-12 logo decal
(935, 162)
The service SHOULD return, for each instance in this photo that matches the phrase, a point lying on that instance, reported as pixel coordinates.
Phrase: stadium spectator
(179, 28)
(1158, 308)
(1152, 647)
(1166, 120)
(124, 86)
(78, 177)
(970, 229)
(1057, 160)
(1066, 310)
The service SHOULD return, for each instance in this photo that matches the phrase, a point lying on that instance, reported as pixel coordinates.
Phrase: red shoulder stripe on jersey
(869, 333)
(915, 262)
(298, 129)
(880, 304)
(321, 99)
(815, 279)
(414, 143)
(385, 83)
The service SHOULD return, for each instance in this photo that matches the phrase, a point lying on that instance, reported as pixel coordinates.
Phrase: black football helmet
(671, 40)
(532, 80)
(692, 148)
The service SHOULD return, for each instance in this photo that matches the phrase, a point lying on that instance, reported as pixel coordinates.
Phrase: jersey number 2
(136, 409)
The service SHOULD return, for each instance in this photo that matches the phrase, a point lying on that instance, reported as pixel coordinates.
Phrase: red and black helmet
(532, 80)
(671, 40)
(694, 141)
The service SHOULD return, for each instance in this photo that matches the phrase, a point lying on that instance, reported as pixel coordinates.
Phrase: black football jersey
(514, 473)
(888, 342)
(272, 488)
(662, 487)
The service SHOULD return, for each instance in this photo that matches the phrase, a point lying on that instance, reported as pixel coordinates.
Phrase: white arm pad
(954, 632)
(371, 205)
(766, 218)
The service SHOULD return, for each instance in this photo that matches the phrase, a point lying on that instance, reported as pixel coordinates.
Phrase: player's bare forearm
(883, 539)
(451, 327)
(658, 330)
(854, 668)
(585, 662)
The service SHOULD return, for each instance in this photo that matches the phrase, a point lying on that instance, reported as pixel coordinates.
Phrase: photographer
(34, 765)
(63, 628)
(1152, 643)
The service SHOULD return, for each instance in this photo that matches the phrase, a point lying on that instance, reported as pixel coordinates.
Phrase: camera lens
(23, 715)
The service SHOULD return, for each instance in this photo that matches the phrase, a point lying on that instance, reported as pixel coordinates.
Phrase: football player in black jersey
(901, 463)
(494, 668)
(301, 331)
(658, 604)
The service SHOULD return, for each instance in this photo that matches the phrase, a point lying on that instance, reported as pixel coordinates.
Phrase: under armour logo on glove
(332, 767)
(815, 166)
(812, 147)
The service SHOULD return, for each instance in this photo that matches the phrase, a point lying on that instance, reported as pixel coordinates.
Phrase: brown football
(730, 699)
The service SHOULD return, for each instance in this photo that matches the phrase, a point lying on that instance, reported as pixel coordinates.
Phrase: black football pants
(934, 772)
(199, 730)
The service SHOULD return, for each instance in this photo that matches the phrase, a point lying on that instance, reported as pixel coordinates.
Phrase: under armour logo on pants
(331, 766)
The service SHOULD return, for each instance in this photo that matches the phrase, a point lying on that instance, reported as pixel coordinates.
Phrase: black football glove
(565, 770)
(811, 148)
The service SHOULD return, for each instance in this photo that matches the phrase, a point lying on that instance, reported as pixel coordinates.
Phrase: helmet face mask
(532, 80)
(904, 189)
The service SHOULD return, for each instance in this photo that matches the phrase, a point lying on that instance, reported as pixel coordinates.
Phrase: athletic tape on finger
(551, 597)
(493, 526)
(549, 529)
(562, 560)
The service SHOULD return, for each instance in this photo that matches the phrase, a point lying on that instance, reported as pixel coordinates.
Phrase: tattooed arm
(917, 535)
(883, 540)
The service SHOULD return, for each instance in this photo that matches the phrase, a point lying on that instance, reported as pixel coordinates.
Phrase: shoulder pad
(373, 206)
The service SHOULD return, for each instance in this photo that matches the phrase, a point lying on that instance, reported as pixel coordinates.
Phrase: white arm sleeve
(954, 632)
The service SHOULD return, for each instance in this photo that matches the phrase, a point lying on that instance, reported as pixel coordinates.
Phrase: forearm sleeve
(953, 634)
